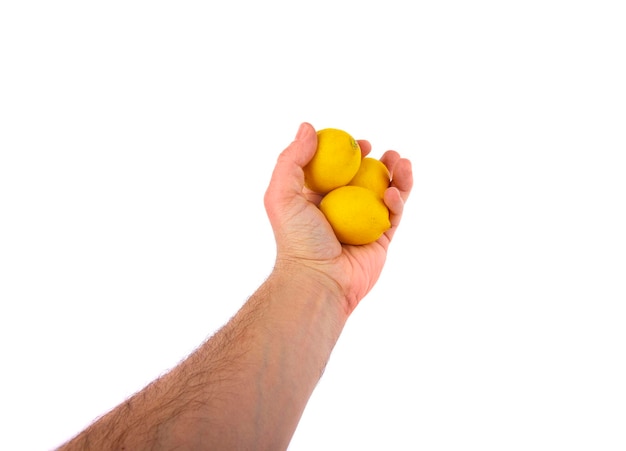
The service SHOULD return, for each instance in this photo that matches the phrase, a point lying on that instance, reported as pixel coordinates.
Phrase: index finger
(365, 146)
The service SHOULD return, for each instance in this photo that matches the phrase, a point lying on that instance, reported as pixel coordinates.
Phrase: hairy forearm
(246, 387)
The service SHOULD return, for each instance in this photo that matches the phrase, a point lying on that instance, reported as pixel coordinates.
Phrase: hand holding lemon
(307, 236)
(353, 187)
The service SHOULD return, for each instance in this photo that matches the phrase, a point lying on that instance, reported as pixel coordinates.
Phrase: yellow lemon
(356, 214)
(373, 175)
(336, 161)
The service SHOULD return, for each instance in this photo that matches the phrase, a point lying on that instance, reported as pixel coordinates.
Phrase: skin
(246, 387)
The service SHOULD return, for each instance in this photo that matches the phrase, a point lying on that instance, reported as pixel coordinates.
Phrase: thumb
(302, 149)
(288, 177)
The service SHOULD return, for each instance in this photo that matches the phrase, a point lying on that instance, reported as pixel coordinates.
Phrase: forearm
(246, 387)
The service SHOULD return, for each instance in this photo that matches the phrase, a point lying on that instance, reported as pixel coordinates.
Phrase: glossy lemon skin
(336, 161)
(373, 175)
(357, 215)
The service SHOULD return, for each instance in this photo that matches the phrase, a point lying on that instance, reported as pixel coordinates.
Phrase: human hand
(305, 238)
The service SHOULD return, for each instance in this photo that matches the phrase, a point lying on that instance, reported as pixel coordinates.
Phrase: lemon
(373, 175)
(336, 161)
(356, 214)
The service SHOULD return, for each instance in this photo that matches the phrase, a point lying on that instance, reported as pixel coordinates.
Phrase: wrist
(310, 285)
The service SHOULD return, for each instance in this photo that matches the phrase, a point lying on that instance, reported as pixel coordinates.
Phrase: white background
(137, 140)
